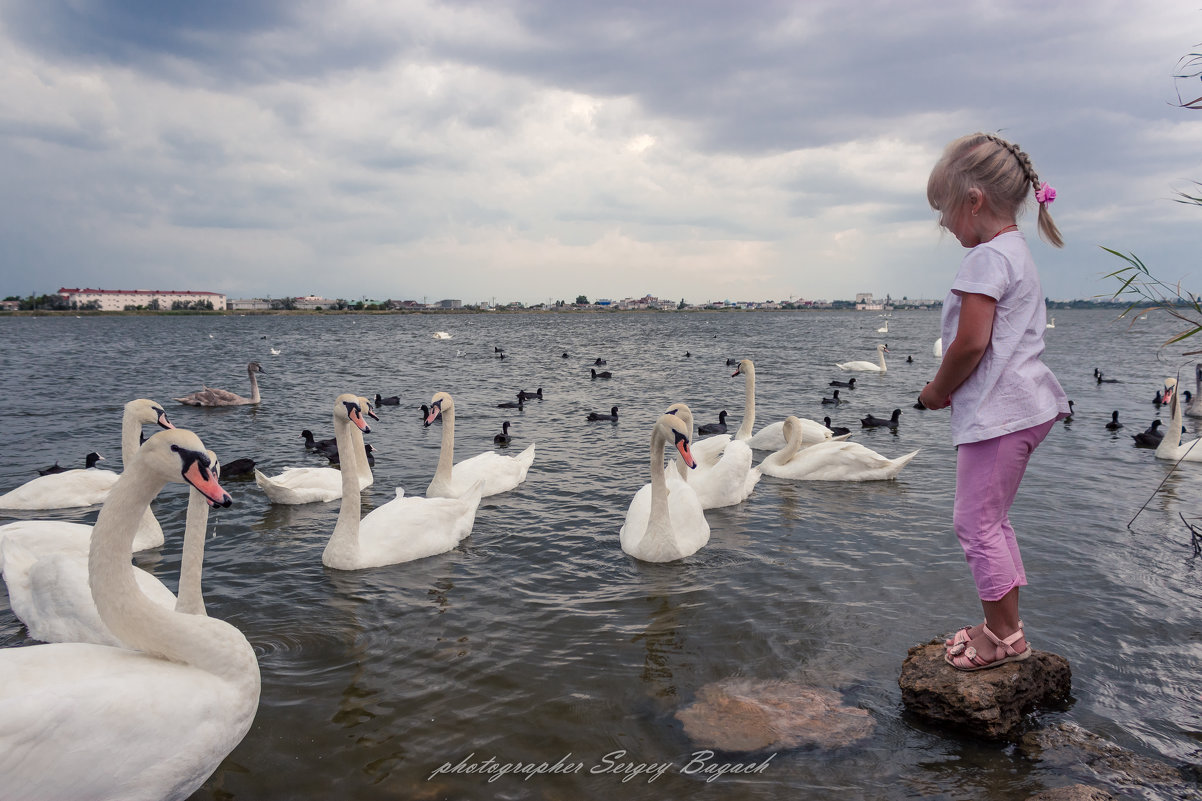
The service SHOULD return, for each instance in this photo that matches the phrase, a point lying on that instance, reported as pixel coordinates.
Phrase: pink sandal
(968, 659)
(955, 646)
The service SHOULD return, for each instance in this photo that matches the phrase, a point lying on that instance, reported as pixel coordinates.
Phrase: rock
(741, 714)
(1074, 792)
(1070, 746)
(985, 703)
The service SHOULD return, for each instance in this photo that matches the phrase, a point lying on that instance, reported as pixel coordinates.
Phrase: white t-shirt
(1011, 389)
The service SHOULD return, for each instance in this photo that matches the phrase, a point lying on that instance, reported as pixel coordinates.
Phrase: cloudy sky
(541, 149)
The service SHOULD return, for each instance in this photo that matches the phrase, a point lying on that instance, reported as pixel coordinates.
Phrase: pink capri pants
(987, 477)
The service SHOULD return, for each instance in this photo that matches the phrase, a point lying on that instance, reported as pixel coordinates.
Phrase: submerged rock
(1072, 747)
(985, 703)
(741, 714)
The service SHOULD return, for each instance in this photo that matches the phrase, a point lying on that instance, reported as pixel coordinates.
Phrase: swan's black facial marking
(355, 414)
(435, 411)
(161, 417)
(682, 445)
(196, 471)
(190, 457)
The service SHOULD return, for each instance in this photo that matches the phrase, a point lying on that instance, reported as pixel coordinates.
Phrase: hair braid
(1047, 227)
(966, 162)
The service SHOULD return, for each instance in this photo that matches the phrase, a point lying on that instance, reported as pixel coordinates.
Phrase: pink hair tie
(1045, 193)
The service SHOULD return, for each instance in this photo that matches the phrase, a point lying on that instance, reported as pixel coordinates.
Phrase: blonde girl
(1003, 398)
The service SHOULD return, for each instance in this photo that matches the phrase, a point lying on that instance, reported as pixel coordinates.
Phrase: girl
(1004, 399)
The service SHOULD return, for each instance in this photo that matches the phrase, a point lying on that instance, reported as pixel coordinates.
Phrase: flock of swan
(137, 693)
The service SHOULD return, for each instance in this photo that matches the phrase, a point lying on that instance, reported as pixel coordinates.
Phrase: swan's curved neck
(131, 429)
(748, 423)
(360, 467)
(202, 642)
(1172, 437)
(446, 453)
(793, 442)
(190, 600)
(344, 542)
(881, 362)
(659, 484)
(254, 386)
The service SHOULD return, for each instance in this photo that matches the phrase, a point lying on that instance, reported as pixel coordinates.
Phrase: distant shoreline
(595, 310)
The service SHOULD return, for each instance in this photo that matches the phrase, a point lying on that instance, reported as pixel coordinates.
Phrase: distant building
(9, 305)
(450, 304)
(313, 302)
(866, 302)
(248, 304)
(122, 299)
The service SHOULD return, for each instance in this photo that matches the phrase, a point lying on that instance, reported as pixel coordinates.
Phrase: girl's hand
(932, 401)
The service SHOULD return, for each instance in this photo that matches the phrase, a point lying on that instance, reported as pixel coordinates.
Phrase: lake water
(539, 638)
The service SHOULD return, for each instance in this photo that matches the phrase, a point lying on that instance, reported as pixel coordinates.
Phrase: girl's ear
(976, 200)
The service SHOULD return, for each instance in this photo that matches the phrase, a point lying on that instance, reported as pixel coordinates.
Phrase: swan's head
(178, 455)
(682, 411)
(254, 367)
(440, 404)
(745, 367)
(145, 410)
(347, 407)
(1170, 393)
(366, 407)
(672, 426)
(882, 348)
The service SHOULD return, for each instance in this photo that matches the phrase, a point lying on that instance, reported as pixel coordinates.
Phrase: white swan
(91, 721)
(662, 524)
(884, 329)
(829, 461)
(771, 437)
(726, 478)
(86, 486)
(441, 335)
(499, 473)
(937, 348)
(297, 485)
(1194, 407)
(401, 530)
(49, 535)
(223, 397)
(1051, 323)
(1171, 447)
(49, 592)
(867, 367)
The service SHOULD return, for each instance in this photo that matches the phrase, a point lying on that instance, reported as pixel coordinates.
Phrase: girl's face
(959, 221)
(962, 223)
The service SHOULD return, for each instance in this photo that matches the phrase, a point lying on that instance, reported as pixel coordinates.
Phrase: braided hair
(998, 168)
